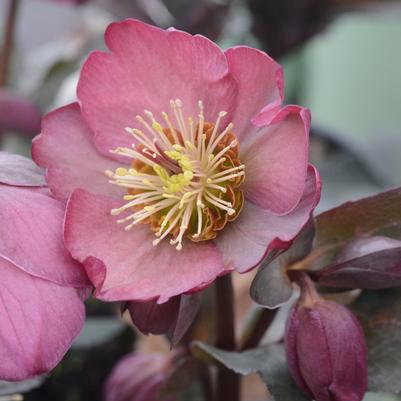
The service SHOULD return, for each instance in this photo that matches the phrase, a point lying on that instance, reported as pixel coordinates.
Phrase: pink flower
(140, 377)
(41, 286)
(219, 168)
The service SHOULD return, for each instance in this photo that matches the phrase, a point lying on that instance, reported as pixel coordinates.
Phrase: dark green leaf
(193, 393)
(243, 363)
(268, 361)
(384, 357)
(302, 245)
(271, 286)
(278, 380)
(380, 313)
(378, 306)
(185, 371)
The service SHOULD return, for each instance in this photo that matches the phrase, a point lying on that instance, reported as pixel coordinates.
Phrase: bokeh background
(342, 59)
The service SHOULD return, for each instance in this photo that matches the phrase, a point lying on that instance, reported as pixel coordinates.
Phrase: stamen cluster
(185, 177)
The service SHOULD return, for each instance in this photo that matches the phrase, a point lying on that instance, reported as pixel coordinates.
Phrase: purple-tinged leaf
(364, 246)
(376, 215)
(20, 171)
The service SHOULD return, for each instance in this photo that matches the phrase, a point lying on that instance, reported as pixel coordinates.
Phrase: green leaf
(97, 331)
(377, 306)
(268, 361)
(271, 286)
(376, 215)
(380, 312)
(193, 393)
(10, 388)
(183, 373)
(384, 357)
(278, 380)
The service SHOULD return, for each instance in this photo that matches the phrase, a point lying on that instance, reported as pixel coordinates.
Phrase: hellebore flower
(139, 377)
(206, 171)
(326, 349)
(41, 286)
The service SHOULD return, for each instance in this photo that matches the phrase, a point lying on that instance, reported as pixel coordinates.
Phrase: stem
(309, 295)
(9, 30)
(228, 385)
(260, 322)
(206, 382)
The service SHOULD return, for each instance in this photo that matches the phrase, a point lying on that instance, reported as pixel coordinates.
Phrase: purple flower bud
(139, 377)
(18, 114)
(326, 349)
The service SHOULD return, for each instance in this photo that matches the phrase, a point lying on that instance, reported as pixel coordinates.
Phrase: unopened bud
(326, 349)
(139, 377)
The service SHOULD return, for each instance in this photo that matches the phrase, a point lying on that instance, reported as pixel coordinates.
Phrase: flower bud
(139, 377)
(18, 114)
(326, 349)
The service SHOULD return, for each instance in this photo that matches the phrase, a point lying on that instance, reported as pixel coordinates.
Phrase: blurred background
(342, 59)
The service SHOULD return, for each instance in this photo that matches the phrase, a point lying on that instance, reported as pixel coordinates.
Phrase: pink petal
(276, 161)
(20, 171)
(173, 318)
(154, 318)
(125, 265)
(246, 242)
(260, 86)
(147, 68)
(38, 323)
(65, 148)
(31, 236)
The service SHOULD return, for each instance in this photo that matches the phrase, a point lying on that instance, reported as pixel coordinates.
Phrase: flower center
(185, 178)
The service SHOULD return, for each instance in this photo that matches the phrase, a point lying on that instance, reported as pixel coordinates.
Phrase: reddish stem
(257, 328)
(228, 384)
